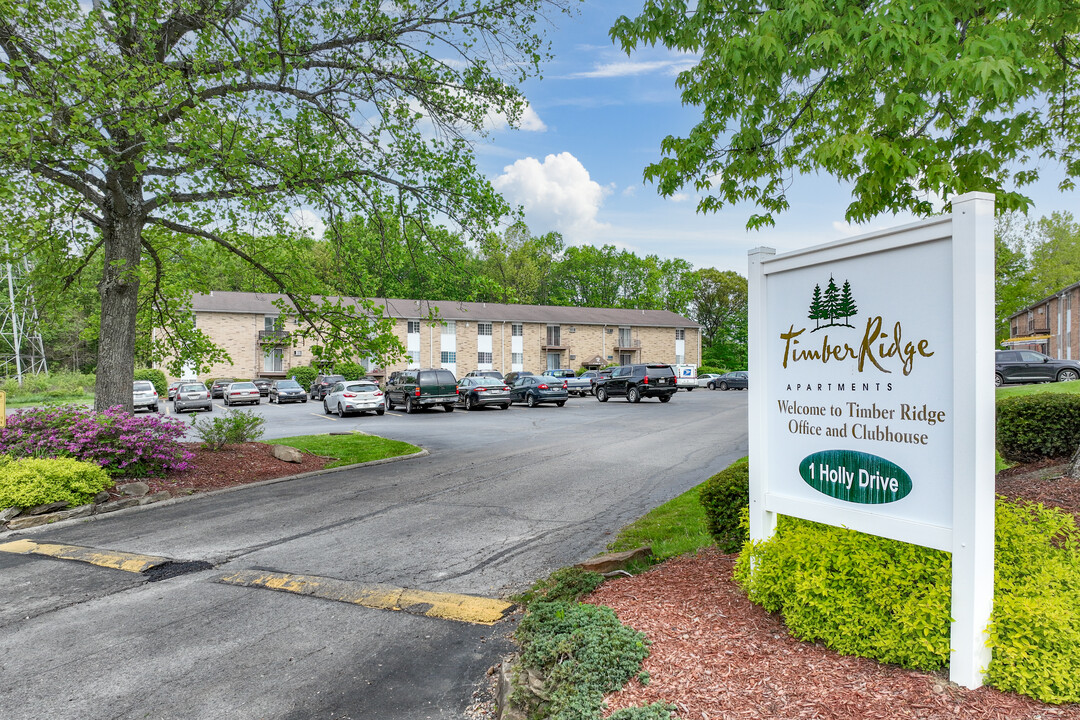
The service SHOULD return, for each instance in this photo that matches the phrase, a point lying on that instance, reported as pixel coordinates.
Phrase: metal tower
(21, 349)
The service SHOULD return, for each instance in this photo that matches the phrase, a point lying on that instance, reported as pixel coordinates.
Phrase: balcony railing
(276, 337)
(625, 344)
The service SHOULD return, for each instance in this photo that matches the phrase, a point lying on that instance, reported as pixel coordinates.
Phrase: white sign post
(872, 398)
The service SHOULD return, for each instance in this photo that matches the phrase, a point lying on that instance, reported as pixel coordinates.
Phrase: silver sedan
(354, 396)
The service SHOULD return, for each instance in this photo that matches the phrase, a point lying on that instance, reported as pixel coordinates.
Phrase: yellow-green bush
(873, 597)
(26, 482)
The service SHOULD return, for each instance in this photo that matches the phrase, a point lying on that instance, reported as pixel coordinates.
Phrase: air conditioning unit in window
(573, 329)
(573, 357)
(610, 331)
(298, 353)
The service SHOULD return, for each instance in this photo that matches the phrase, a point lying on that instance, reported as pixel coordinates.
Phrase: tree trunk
(1073, 470)
(119, 291)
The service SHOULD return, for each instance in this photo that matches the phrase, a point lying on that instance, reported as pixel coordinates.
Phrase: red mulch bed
(232, 465)
(717, 655)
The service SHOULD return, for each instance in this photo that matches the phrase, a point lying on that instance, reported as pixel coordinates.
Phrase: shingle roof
(263, 304)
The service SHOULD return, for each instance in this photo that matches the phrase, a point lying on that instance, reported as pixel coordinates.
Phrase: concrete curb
(197, 496)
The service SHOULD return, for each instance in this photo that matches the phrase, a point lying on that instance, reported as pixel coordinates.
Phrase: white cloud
(680, 197)
(627, 68)
(630, 191)
(529, 121)
(557, 194)
(309, 222)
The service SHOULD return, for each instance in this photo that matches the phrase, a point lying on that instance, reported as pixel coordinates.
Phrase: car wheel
(340, 412)
(998, 380)
(665, 398)
(225, 401)
(601, 394)
(325, 407)
(258, 402)
(723, 386)
(388, 402)
(633, 395)
(448, 407)
(504, 406)
(711, 386)
(469, 403)
(560, 403)
(689, 389)
(1067, 375)
(408, 405)
(530, 400)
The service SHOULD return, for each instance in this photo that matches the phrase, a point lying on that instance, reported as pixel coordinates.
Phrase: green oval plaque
(856, 477)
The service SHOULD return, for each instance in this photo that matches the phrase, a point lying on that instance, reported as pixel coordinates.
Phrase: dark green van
(424, 387)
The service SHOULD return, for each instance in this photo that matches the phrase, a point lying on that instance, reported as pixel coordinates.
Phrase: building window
(268, 322)
(414, 358)
(517, 330)
(414, 327)
(624, 337)
(680, 333)
(483, 328)
(273, 360)
(448, 356)
(517, 358)
(553, 336)
(680, 359)
(626, 358)
(450, 329)
(483, 358)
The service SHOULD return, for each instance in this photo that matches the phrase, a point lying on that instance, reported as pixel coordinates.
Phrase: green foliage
(1033, 427)
(676, 527)
(155, 376)
(26, 482)
(904, 101)
(229, 428)
(879, 598)
(55, 386)
(304, 375)
(583, 651)
(1035, 631)
(710, 369)
(563, 585)
(349, 449)
(350, 370)
(655, 711)
(724, 496)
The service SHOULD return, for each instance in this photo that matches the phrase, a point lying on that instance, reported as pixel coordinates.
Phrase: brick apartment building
(1047, 325)
(470, 336)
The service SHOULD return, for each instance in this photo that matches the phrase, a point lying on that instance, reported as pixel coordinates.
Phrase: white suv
(144, 396)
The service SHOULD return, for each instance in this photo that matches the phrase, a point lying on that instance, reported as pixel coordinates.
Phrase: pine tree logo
(834, 305)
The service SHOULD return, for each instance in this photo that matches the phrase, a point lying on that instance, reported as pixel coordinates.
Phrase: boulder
(28, 521)
(286, 453)
(42, 509)
(9, 513)
(615, 561)
(101, 497)
(156, 497)
(118, 504)
(133, 489)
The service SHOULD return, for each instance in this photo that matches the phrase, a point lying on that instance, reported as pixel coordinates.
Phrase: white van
(685, 376)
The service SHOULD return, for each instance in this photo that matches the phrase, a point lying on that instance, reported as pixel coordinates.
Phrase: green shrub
(1033, 427)
(232, 427)
(155, 376)
(564, 585)
(724, 496)
(57, 384)
(304, 375)
(349, 370)
(583, 651)
(710, 369)
(26, 482)
(879, 598)
(656, 711)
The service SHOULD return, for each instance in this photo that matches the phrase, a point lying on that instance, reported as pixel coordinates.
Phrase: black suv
(264, 386)
(217, 389)
(637, 381)
(1028, 366)
(424, 387)
(322, 385)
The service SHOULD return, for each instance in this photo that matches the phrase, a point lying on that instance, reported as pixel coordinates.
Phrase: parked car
(511, 377)
(423, 387)
(598, 375)
(264, 385)
(349, 396)
(1028, 366)
(240, 393)
(485, 373)
(705, 380)
(143, 395)
(738, 380)
(322, 385)
(638, 381)
(217, 388)
(173, 386)
(574, 385)
(282, 391)
(192, 396)
(475, 392)
(535, 389)
(685, 377)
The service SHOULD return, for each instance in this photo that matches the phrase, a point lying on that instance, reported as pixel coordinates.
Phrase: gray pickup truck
(574, 385)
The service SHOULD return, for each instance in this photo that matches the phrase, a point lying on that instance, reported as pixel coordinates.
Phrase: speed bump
(128, 562)
(448, 606)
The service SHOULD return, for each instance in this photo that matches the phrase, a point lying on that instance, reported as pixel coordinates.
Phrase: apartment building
(1047, 325)
(466, 336)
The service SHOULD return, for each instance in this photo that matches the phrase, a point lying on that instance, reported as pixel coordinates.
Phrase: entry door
(554, 360)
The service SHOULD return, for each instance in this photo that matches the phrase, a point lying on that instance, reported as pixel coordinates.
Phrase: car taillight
(378, 393)
(348, 394)
(645, 381)
(506, 388)
(564, 385)
(479, 389)
(542, 386)
(417, 392)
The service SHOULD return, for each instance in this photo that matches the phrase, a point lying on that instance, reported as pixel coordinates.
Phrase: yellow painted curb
(447, 606)
(128, 562)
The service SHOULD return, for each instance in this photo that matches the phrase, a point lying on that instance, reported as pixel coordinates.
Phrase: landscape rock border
(28, 520)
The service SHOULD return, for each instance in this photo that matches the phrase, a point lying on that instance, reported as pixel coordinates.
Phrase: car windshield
(243, 386)
(288, 385)
(361, 387)
(193, 388)
(144, 386)
(488, 382)
(224, 381)
(333, 379)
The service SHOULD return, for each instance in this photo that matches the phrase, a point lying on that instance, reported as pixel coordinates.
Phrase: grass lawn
(348, 449)
(1037, 388)
(48, 398)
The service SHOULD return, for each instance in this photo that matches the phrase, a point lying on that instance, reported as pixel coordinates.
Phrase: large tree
(906, 101)
(162, 123)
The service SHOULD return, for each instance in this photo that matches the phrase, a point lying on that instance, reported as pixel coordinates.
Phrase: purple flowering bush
(117, 441)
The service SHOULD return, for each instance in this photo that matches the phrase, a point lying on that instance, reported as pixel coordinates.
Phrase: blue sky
(596, 120)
